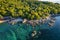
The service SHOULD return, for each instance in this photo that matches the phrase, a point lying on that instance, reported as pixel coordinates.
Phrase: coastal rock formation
(34, 33)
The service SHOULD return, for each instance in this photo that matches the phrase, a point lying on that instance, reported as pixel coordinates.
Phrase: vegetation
(33, 9)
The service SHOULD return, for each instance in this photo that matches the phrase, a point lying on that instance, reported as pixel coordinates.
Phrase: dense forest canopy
(32, 9)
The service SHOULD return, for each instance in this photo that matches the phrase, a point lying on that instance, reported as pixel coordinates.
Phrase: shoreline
(54, 15)
(13, 20)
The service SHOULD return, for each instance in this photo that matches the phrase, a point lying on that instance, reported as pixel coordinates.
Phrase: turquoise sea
(23, 31)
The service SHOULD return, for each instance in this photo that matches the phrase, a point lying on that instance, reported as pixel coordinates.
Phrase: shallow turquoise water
(23, 31)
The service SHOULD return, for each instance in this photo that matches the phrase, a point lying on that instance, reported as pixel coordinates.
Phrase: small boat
(52, 21)
(50, 24)
(53, 18)
(24, 21)
(31, 23)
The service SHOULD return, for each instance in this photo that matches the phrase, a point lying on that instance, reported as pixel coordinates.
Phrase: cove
(24, 31)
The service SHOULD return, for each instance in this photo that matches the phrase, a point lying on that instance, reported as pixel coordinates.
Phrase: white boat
(50, 24)
(2, 21)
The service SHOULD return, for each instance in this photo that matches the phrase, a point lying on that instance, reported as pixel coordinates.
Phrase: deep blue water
(23, 31)
(53, 33)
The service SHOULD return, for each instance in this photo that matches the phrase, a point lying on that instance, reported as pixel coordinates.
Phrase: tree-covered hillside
(27, 9)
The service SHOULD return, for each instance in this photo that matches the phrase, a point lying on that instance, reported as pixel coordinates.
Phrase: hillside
(27, 9)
